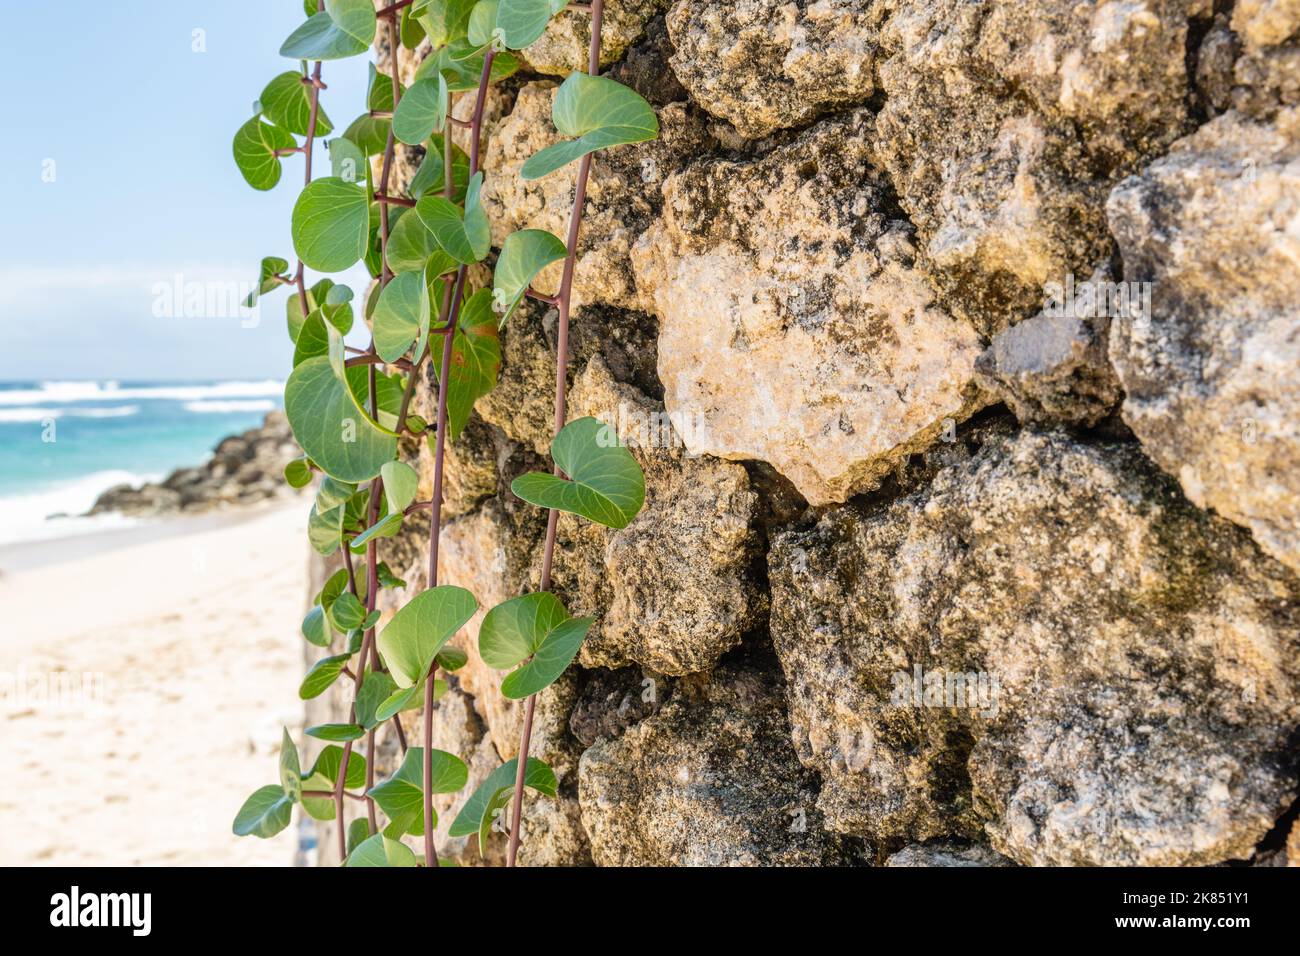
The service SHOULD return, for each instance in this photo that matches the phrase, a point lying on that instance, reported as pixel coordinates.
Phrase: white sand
(193, 645)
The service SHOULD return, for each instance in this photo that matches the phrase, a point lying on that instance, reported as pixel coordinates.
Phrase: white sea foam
(30, 517)
(12, 415)
(233, 405)
(64, 393)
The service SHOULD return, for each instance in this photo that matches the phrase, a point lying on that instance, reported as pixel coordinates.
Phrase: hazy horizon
(105, 206)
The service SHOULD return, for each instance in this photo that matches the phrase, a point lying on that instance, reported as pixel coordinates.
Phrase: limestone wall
(977, 523)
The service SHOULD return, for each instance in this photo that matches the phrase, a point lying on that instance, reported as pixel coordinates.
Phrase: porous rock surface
(1132, 670)
(797, 307)
(1210, 376)
(794, 326)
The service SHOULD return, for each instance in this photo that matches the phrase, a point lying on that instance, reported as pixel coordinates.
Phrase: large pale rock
(1210, 374)
(622, 192)
(764, 65)
(1004, 123)
(711, 780)
(794, 327)
(1129, 663)
(566, 44)
(675, 589)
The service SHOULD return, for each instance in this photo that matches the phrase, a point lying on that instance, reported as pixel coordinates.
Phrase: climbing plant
(350, 408)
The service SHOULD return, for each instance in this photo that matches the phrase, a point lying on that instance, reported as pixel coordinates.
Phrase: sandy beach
(143, 684)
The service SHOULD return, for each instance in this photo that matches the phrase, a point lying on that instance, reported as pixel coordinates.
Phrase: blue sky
(139, 127)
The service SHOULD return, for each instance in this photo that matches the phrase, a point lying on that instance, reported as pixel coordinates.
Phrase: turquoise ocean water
(62, 443)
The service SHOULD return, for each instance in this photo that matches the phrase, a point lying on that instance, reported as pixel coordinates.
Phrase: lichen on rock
(795, 328)
(710, 780)
(1128, 664)
(1210, 373)
(766, 65)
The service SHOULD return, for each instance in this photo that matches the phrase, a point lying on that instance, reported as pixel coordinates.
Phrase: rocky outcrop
(1046, 646)
(1210, 373)
(710, 780)
(867, 614)
(794, 326)
(766, 65)
(1004, 125)
(244, 469)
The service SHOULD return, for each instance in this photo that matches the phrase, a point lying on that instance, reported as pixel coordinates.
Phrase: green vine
(349, 407)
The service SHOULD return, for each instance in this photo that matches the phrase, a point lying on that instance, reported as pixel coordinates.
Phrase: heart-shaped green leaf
(331, 224)
(379, 850)
(466, 235)
(401, 796)
(369, 133)
(482, 24)
(385, 527)
(534, 628)
(294, 312)
(400, 484)
(286, 101)
(376, 687)
(521, 22)
(475, 360)
(417, 632)
(410, 30)
(315, 628)
(347, 612)
(297, 473)
(269, 278)
(323, 776)
(290, 768)
(601, 113)
(452, 658)
(322, 674)
(401, 314)
(345, 28)
(347, 160)
(325, 530)
(537, 776)
(339, 732)
(523, 255)
(333, 493)
(422, 111)
(255, 147)
(443, 20)
(462, 65)
(429, 177)
(329, 424)
(264, 814)
(605, 483)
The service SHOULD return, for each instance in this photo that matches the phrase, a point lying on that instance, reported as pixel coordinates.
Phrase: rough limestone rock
(1128, 665)
(765, 65)
(622, 192)
(1263, 23)
(1210, 376)
(794, 326)
(710, 780)
(1004, 123)
(1053, 367)
(565, 46)
(674, 590)
(946, 853)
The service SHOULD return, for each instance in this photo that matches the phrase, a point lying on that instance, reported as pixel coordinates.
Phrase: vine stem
(564, 298)
(452, 313)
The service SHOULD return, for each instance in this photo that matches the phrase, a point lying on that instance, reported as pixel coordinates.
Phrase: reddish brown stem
(564, 298)
(440, 441)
